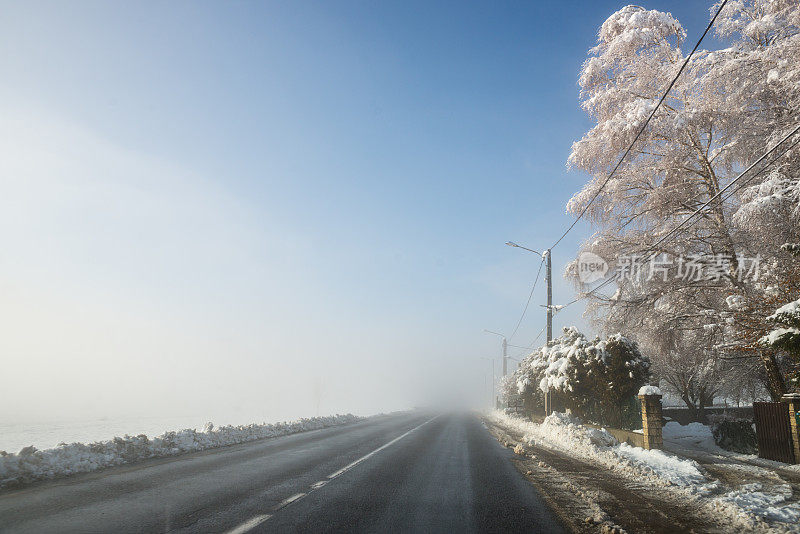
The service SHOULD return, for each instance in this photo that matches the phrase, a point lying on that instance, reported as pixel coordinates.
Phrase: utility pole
(505, 357)
(549, 275)
(549, 296)
(505, 349)
(548, 399)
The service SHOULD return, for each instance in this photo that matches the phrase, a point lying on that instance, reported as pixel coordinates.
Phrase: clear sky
(230, 209)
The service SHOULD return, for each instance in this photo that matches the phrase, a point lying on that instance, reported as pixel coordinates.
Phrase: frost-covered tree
(727, 108)
(684, 368)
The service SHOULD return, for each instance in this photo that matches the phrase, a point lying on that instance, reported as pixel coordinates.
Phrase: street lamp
(512, 244)
(549, 276)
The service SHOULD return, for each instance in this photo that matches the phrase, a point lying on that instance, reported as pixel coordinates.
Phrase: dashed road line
(249, 525)
(257, 520)
(379, 449)
(290, 500)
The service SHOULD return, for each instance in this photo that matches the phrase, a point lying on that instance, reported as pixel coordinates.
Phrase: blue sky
(219, 205)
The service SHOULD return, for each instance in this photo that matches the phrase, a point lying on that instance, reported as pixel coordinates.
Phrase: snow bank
(749, 503)
(564, 433)
(765, 505)
(31, 464)
(649, 390)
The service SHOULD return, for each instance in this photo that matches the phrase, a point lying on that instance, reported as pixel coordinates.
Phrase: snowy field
(48, 434)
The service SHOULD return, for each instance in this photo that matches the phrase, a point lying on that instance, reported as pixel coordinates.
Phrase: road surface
(411, 472)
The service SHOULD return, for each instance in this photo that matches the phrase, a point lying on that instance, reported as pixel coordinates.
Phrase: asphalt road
(413, 472)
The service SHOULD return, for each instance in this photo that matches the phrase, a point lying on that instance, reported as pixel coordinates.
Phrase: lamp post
(549, 277)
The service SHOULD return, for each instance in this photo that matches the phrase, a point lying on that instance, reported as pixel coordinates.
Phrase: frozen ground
(764, 502)
(30, 464)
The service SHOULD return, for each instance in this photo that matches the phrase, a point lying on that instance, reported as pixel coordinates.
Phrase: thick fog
(246, 232)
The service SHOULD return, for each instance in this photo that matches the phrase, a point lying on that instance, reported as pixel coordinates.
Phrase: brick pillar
(793, 399)
(651, 421)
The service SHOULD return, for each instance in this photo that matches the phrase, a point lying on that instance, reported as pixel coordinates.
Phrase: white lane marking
(290, 500)
(379, 449)
(249, 524)
(257, 520)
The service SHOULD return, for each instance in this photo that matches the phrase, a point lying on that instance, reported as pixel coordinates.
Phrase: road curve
(407, 472)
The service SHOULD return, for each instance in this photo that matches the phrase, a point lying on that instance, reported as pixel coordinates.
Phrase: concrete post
(793, 400)
(651, 421)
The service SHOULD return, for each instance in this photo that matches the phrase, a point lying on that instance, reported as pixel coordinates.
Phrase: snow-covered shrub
(734, 434)
(597, 379)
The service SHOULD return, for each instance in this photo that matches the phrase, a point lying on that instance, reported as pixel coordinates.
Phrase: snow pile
(564, 433)
(31, 464)
(752, 501)
(649, 390)
(691, 436)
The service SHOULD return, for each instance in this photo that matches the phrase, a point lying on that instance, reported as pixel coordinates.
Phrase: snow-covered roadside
(564, 434)
(751, 504)
(31, 464)
(697, 437)
(694, 435)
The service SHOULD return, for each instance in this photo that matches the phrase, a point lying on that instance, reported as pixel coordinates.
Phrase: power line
(691, 217)
(639, 133)
(721, 191)
(537, 337)
(651, 249)
(529, 300)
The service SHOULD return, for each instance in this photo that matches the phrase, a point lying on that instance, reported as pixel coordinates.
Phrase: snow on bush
(571, 363)
(597, 378)
(31, 464)
(734, 433)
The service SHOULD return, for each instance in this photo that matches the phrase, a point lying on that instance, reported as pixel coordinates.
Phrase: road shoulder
(591, 498)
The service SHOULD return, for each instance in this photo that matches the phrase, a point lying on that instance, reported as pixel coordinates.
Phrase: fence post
(793, 399)
(651, 421)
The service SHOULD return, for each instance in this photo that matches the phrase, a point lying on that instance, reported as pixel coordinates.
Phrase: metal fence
(772, 429)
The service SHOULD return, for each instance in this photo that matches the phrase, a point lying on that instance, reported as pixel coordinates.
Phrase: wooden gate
(772, 429)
